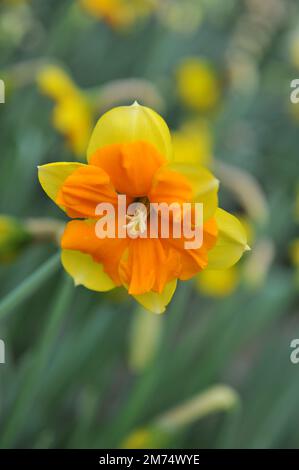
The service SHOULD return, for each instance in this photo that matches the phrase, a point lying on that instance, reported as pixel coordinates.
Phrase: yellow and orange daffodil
(130, 153)
(119, 13)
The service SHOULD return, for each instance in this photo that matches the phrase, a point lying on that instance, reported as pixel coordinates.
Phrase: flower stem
(29, 286)
(213, 400)
(44, 229)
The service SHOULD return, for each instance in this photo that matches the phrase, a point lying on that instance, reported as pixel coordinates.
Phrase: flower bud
(13, 238)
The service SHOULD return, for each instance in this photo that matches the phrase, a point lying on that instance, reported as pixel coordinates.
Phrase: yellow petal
(85, 271)
(53, 175)
(231, 242)
(129, 124)
(204, 185)
(156, 303)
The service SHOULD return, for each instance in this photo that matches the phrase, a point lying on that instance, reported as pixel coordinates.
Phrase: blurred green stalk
(216, 398)
(161, 432)
(29, 286)
(26, 398)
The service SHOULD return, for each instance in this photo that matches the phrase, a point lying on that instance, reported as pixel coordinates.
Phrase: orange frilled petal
(81, 235)
(131, 166)
(148, 266)
(142, 264)
(84, 189)
(194, 260)
(169, 186)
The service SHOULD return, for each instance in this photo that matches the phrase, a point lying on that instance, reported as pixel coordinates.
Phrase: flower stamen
(137, 222)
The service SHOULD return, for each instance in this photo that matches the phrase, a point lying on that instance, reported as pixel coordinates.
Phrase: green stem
(27, 396)
(29, 286)
(215, 399)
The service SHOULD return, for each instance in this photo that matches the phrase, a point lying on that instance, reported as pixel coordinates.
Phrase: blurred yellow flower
(294, 49)
(296, 208)
(294, 255)
(119, 13)
(130, 154)
(218, 283)
(193, 143)
(72, 114)
(293, 109)
(294, 252)
(198, 85)
(13, 238)
(145, 438)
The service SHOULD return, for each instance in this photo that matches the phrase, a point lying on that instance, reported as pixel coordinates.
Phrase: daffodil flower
(197, 84)
(130, 153)
(119, 13)
(14, 238)
(72, 113)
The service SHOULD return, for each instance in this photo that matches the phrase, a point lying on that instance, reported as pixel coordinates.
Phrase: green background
(67, 380)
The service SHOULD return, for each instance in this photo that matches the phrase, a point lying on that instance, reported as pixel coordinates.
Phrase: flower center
(137, 221)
